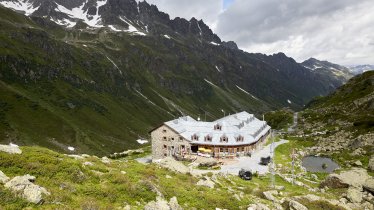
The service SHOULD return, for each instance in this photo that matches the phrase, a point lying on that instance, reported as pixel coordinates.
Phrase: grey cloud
(340, 31)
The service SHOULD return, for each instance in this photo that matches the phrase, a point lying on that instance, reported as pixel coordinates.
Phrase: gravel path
(251, 163)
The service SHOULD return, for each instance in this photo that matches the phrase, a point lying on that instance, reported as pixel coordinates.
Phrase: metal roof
(241, 124)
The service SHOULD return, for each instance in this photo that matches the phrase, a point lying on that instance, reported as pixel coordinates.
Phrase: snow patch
(288, 101)
(218, 69)
(22, 5)
(142, 141)
(209, 82)
(79, 13)
(214, 43)
(145, 97)
(114, 28)
(167, 36)
(132, 29)
(247, 92)
(71, 148)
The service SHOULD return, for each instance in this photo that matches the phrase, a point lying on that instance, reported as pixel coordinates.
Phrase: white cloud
(338, 31)
(208, 10)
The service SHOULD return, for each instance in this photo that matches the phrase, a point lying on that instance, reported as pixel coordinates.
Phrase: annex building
(230, 136)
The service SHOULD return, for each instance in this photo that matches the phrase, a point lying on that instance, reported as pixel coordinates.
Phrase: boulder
(159, 204)
(3, 178)
(24, 186)
(357, 163)
(105, 160)
(355, 177)
(354, 195)
(11, 149)
(207, 182)
(369, 185)
(162, 204)
(270, 195)
(174, 205)
(87, 163)
(371, 163)
(258, 206)
(294, 205)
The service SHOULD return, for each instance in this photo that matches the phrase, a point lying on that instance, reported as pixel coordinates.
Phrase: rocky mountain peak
(137, 18)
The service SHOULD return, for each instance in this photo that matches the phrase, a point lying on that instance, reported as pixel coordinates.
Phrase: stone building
(230, 136)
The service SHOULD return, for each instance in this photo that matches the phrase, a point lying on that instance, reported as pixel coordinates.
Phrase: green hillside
(352, 103)
(99, 91)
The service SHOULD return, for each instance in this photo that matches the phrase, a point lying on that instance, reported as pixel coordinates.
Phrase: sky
(340, 31)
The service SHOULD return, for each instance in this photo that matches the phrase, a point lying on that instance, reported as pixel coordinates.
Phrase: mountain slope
(99, 89)
(336, 74)
(343, 121)
(359, 69)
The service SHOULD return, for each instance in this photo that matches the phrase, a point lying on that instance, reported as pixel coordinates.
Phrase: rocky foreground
(39, 178)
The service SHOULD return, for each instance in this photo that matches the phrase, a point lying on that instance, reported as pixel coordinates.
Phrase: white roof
(240, 124)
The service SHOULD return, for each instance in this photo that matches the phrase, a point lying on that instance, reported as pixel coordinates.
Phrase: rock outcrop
(206, 181)
(24, 186)
(162, 204)
(11, 149)
(354, 195)
(294, 205)
(371, 163)
(355, 177)
(258, 206)
(369, 185)
(3, 177)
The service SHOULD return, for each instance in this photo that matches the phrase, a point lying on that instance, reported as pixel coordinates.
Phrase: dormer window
(224, 139)
(240, 138)
(208, 138)
(194, 137)
(218, 127)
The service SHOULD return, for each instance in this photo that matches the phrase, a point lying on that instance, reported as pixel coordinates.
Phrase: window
(164, 138)
(165, 146)
(224, 139)
(218, 127)
(194, 137)
(164, 131)
(172, 138)
(180, 138)
(240, 138)
(208, 138)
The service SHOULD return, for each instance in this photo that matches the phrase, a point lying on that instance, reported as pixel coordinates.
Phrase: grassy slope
(352, 103)
(103, 186)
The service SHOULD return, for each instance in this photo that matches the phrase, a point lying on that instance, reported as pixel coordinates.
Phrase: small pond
(319, 164)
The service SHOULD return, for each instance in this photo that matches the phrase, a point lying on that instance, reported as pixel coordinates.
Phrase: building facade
(233, 135)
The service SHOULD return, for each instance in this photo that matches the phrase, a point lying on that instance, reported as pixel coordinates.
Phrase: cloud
(208, 10)
(338, 31)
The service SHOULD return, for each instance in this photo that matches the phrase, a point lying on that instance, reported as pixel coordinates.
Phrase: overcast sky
(340, 31)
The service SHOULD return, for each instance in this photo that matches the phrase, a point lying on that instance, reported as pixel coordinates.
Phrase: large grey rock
(11, 149)
(162, 204)
(207, 182)
(24, 186)
(3, 177)
(258, 206)
(174, 205)
(369, 185)
(354, 195)
(355, 177)
(270, 195)
(159, 204)
(371, 163)
(294, 205)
